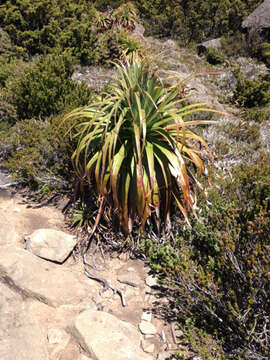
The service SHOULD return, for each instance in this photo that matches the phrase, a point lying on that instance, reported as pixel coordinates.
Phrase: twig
(106, 286)
(6, 186)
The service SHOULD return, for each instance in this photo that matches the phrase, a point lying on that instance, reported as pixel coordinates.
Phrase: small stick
(106, 286)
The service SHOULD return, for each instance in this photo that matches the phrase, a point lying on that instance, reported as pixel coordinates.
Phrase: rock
(146, 316)
(214, 43)
(148, 346)
(179, 333)
(139, 29)
(50, 244)
(70, 352)
(83, 357)
(259, 19)
(151, 281)
(35, 278)
(20, 336)
(104, 337)
(169, 44)
(96, 77)
(130, 278)
(7, 231)
(57, 336)
(147, 328)
(130, 268)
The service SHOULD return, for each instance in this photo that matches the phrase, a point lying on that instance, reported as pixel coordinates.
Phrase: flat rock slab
(20, 336)
(147, 328)
(41, 280)
(8, 235)
(105, 337)
(50, 244)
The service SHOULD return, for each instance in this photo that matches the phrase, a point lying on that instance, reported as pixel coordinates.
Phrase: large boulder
(259, 19)
(50, 244)
(214, 43)
(42, 280)
(8, 235)
(105, 337)
(20, 335)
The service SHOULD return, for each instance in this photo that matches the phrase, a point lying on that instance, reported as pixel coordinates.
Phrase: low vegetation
(219, 268)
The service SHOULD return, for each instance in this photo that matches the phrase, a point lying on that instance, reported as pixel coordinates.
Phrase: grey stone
(214, 43)
(96, 77)
(259, 18)
(20, 336)
(151, 281)
(50, 244)
(147, 328)
(57, 336)
(139, 29)
(104, 337)
(146, 316)
(41, 280)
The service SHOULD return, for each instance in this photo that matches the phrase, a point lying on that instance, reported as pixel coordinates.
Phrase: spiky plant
(126, 15)
(136, 149)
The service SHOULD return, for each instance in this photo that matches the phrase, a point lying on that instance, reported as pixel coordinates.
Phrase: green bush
(46, 88)
(54, 26)
(8, 113)
(129, 44)
(250, 93)
(109, 47)
(45, 25)
(265, 51)
(214, 56)
(195, 20)
(257, 115)
(38, 155)
(219, 268)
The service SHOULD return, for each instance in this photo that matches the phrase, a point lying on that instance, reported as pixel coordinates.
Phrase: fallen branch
(106, 286)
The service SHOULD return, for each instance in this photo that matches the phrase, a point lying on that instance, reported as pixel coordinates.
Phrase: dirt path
(140, 298)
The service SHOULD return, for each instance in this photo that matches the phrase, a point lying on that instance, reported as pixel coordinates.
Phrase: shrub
(219, 268)
(129, 44)
(38, 155)
(135, 148)
(257, 115)
(8, 114)
(265, 51)
(44, 25)
(109, 47)
(46, 88)
(214, 56)
(252, 93)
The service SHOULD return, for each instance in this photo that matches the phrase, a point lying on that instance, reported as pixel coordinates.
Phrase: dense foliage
(49, 26)
(191, 20)
(46, 88)
(250, 93)
(38, 155)
(41, 26)
(219, 268)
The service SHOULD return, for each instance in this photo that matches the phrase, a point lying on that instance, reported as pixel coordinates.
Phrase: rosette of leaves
(136, 149)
